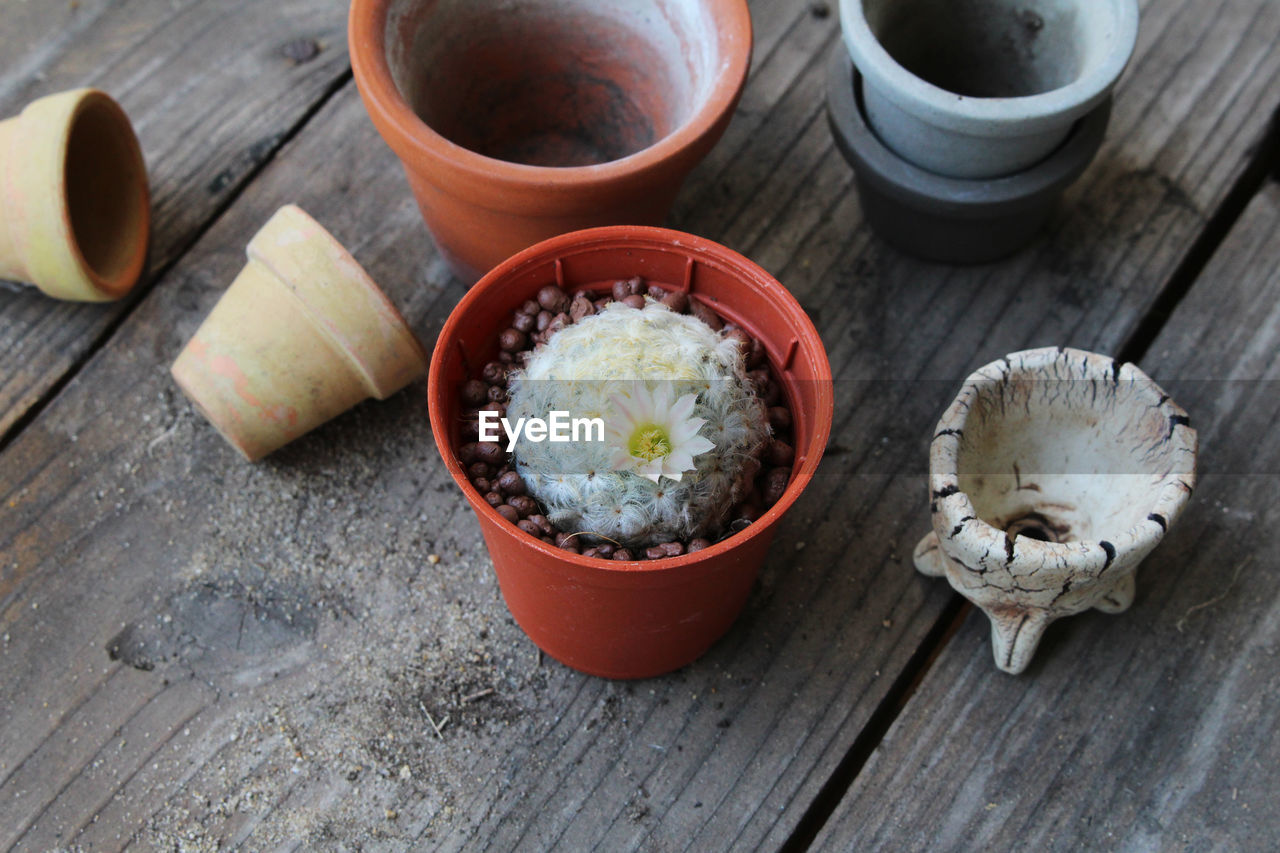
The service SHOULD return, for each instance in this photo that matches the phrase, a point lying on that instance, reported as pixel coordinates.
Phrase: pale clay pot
(74, 204)
(300, 336)
(1062, 444)
(995, 85)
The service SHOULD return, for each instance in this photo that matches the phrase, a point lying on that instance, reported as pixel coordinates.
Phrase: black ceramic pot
(952, 220)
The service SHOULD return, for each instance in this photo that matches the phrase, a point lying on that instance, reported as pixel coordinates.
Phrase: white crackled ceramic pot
(1052, 475)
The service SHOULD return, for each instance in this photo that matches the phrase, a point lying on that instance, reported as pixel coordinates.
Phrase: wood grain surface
(198, 653)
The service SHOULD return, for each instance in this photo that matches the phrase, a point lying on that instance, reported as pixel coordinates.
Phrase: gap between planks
(1263, 165)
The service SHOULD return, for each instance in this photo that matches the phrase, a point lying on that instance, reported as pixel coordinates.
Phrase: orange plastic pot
(632, 619)
(516, 122)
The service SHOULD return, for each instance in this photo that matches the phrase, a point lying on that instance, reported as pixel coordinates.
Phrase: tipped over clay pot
(951, 220)
(984, 88)
(300, 336)
(518, 121)
(1052, 475)
(74, 205)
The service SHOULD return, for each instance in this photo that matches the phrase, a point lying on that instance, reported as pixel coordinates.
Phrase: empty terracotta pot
(1052, 475)
(985, 88)
(519, 121)
(74, 205)
(632, 619)
(300, 336)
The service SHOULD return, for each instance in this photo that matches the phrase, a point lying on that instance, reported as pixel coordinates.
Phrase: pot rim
(988, 116)
(410, 136)
(954, 513)
(913, 185)
(695, 249)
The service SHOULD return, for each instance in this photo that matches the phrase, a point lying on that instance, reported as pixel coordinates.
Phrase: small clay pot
(1052, 475)
(300, 336)
(519, 121)
(952, 220)
(75, 211)
(985, 88)
(632, 619)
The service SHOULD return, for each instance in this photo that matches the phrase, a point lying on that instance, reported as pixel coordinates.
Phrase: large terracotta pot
(632, 619)
(519, 121)
(75, 210)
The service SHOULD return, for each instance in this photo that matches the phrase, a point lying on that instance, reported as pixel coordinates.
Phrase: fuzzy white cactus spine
(581, 367)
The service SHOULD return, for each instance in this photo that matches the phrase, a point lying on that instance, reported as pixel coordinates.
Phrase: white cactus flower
(650, 436)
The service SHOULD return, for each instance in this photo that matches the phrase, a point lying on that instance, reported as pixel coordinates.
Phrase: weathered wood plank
(298, 593)
(211, 93)
(1155, 729)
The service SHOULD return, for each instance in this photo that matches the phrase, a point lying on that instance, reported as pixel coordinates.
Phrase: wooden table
(198, 653)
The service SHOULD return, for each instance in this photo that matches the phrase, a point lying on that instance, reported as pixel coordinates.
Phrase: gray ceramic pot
(952, 220)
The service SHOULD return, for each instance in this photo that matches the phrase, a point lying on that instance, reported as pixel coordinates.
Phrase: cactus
(685, 427)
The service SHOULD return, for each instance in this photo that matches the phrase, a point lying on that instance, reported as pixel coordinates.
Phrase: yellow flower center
(649, 442)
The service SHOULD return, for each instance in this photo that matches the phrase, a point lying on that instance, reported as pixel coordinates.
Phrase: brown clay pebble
(482, 484)
(553, 299)
(606, 550)
(475, 392)
(511, 484)
(601, 304)
(490, 452)
(494, 372)
(506, 357)
(493, 499)
(496, 394)
(743, 339)
(635, 300)
(557, 323)
(580, 307)
(543, 524)
(544, 320)
(591, 552)
(529, 527)
(622, 554)
(677, 301)
(467, 452)
(478, 469)
(530, 307)
(749, 511)
(707, 316)
(775, 483)
(781, 453)
(698, 545)
(470, 430)
(524, 322)
(569, 546)
(655, 552)
(655, 293)
(621, 290)
(524, 505)
(672, 549)
(513, 340)
(779, 418)
(509, 513)
(756, 354)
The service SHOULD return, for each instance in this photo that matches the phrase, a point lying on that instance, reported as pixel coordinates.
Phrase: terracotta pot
(74, 205)
(632, 619)
(300, 336)
(1052, 475)
(952, 220)
(985, 88)
(517, 122)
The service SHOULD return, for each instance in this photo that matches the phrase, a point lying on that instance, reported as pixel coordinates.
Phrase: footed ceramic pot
(985, 88)
(300, 336)
(74, 205)
(519, 121)
(1052, 475)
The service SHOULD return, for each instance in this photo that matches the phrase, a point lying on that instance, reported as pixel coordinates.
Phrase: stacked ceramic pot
(964, 122)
